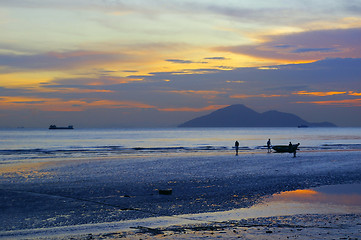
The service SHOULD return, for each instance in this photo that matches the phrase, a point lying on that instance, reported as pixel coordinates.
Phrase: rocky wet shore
(302, 226)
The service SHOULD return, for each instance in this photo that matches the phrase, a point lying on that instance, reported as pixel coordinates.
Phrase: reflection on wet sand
(330, 196)
(335, 199)
(25, 170)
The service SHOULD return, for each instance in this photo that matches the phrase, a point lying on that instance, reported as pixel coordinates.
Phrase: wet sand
(286, 227)
(85, 199)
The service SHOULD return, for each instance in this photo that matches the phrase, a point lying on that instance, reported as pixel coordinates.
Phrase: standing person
(236, 145)
(292, 149)
(269, 145)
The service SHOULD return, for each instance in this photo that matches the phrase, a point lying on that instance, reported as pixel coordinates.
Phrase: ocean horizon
(31, 144)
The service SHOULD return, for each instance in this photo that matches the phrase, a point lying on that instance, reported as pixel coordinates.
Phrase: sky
(159, 63)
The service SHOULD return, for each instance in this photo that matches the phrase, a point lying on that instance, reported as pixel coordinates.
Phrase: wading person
(292, 149)
(269, 145)
(236, 145)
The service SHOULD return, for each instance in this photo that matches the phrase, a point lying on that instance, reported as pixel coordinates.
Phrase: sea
(20, 145)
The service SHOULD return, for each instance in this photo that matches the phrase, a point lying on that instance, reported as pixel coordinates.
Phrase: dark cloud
(215, 58)
(284, 46)
(304, 50)
(29, 102)
(182, 61)
(309, 45)
(179, 61)
(159, 74)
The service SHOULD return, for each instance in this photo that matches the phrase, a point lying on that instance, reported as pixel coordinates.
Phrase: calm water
(26, 144)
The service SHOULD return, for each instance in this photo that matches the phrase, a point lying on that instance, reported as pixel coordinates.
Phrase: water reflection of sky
(335, 199)
(346, 194)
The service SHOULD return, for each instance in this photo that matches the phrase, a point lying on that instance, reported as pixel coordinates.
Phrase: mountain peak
(237, 108)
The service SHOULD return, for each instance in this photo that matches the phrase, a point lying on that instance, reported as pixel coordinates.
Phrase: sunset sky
(154, 63)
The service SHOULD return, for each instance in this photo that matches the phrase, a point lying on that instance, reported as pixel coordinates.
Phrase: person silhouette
(236, 145)
(292, 149)
(269, 145)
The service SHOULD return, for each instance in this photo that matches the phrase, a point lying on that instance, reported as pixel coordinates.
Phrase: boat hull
(285, 148)
(53, 127)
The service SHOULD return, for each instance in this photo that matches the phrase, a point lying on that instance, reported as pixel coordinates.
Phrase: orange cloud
(320, 94)
(118, 104)
(44, 104)
(188, 109)
(201, 92)
(351, 93)
(345, 103)
(57, 104)
(257, 95)
(74, 90)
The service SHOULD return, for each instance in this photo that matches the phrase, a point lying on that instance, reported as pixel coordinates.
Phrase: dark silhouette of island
(241, 116)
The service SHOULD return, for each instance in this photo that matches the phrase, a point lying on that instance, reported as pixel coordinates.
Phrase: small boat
(55, 127)
(286, 148)
(302, 126)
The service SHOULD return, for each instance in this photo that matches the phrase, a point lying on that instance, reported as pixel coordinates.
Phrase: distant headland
(241, 116)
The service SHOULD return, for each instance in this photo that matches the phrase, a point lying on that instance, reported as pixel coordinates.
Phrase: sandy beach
(92, 198)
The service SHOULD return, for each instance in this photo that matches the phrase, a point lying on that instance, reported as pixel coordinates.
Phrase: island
(241, 116)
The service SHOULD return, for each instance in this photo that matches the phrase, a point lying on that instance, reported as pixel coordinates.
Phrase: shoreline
(28, 166)
(307, 226)
(301, 226)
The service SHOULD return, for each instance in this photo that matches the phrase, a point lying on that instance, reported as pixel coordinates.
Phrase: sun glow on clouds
(23, 80)
(337, 102)
(342, 103)
(56, 104)
(354, 93)
(200, 92)
(241, 96)
(321, 94)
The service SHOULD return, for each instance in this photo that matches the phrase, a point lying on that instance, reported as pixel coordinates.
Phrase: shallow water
(333, 199)
(35, 144)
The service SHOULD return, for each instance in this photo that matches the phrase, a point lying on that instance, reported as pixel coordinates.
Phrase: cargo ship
(55, 127)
